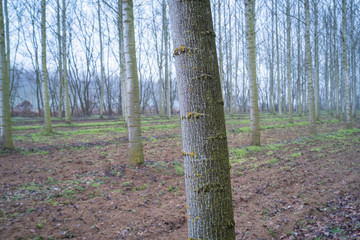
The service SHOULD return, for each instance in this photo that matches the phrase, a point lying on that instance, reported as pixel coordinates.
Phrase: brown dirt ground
(293, 187)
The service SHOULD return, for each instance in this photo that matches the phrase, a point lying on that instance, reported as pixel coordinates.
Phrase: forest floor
(76, 183)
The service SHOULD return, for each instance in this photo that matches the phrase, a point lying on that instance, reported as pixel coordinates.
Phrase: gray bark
(311, 104)
(47, 116)
(5, 120)
(136, 156)
(206, 159)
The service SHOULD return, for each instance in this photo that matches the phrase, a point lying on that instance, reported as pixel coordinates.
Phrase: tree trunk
(102, 78)
(299, 102)
(206, 159)
(336, 65)
(316, 41)
(272, 65)
(353, 64)
(251, 69)
(61, 78)
(311, 104)
(344, 70)
(46, 109)
(5, 119)
(288, 30)
(136, 156)
(122, 62)
(277, 61)
(65, 71)
(166, 56)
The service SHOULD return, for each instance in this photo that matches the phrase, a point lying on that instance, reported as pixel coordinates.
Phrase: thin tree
(288, 31)
(251, 68)
(344, 70)
(312, 123)
(277, 59)
(65, 70)
(5, 119)
(123, 95)
(102, 77)
(47, 115)
(136, 156)
(166, 56)
(205, 151)
(299, 103)
(61, 77)
(316, 50)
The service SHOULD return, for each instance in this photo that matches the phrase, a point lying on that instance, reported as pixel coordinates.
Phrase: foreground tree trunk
(46, 108)
(136, 156)
(312, 123)
(206, 158)
(5, 120)
(344, 70)
(251, 68)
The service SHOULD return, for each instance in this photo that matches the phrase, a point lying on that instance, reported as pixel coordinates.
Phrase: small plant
(295, 155)
(39, 225)
(172, 188)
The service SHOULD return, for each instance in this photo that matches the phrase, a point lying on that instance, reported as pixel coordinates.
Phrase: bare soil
(294, 186)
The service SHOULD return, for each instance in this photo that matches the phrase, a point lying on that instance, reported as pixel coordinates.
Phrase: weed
(179, 168)
(39, 225)
(295, 155)
(139, 188)
(315, 149)
(171, 188)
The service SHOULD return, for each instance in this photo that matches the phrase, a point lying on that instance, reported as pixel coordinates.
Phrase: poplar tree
(5, 119)
(251, 68)
(288, 31)
(344, 70)
(65, 71)
(136, 156)
(312, 123)
(47, 116)
(205, 151)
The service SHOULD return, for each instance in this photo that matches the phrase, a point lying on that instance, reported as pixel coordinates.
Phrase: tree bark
(251, 68)
(206, 159)
(311, 104)
(344, 70)
(46, 109)
(136, 156)
(316, 42)
(299, 87)
(102, 78)
(5, 119)
(65, 71)
(277, 61)
(61, 78)
(166, 56)
(288, 30)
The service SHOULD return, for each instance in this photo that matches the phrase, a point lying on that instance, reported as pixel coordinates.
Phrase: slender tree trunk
(251, 67)
(344, 70)
(65, 71)
(230, 67)
(278, 61)
(336, 65)
(5, 118)
(311, 104)
(353, 64)
(102, 77)
(136, 156)
(288, 30)
(7, 33)
(122, 62)
(61, 78)
(316, 40)
(166, 56)
(206, 159)
(47, 115)
(272, 82)
(327, 100)
(299, 102)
